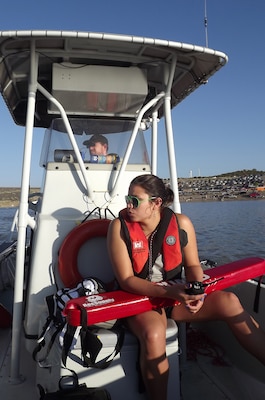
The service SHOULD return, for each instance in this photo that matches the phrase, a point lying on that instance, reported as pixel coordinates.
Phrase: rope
(198, 343)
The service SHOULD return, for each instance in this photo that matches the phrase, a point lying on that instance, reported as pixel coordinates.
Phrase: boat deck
(202, 380)
(23, 388)
(207, 376)
(207, 372)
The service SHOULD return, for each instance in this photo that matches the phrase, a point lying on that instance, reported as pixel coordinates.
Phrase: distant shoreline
(9, 197)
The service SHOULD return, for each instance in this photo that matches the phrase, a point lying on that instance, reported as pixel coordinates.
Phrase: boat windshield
(57, 146)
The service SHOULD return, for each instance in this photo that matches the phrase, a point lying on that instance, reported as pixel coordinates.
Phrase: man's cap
(95, 139)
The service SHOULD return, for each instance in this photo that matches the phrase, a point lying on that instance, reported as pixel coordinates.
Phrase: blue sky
(219, 128)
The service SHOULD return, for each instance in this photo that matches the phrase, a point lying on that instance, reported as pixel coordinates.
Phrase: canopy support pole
(170, 138)
(154, 143)
(23, 219)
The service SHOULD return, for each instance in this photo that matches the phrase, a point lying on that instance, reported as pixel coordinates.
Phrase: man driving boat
(97, 145)
(98, 148)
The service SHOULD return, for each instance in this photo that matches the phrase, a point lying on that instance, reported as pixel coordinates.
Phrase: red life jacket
(168, 240)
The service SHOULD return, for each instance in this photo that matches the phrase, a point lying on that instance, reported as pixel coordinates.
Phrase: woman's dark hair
(154, 187)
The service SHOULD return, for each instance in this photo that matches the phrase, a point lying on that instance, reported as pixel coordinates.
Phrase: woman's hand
(192, 302)
(195, 305)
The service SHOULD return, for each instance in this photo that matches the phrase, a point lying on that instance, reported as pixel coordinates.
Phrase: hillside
(9, 197)
(241, 173)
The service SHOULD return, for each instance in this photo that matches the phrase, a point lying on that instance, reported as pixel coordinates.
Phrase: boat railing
(71, 136)
(149, 105)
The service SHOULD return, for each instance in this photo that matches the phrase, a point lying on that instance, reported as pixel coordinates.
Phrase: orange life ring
(68, 253)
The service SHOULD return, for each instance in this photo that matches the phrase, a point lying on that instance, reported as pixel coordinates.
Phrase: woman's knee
(225, 304)
(149, 331)
(156, 334)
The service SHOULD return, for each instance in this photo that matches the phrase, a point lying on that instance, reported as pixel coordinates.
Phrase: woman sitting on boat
(149, 243)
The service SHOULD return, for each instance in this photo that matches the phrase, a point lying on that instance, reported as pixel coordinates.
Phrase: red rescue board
(119, 304)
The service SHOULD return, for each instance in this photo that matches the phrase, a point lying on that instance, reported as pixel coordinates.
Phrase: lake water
(226, 230)
(6, 219)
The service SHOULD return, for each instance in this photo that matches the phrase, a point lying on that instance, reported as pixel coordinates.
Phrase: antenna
(206, 23)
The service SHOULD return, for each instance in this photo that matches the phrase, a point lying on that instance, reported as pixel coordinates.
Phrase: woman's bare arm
(193, 269)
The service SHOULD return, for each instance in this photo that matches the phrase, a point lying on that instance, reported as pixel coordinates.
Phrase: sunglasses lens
(132, 200)
(135, 202)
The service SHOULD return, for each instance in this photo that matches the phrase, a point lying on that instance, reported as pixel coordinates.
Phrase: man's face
(98, 149)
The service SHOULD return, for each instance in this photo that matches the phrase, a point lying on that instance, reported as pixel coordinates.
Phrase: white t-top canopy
(152, 63)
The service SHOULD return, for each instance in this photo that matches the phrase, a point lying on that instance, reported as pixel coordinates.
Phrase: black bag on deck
(74, 391)
(80, 393)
